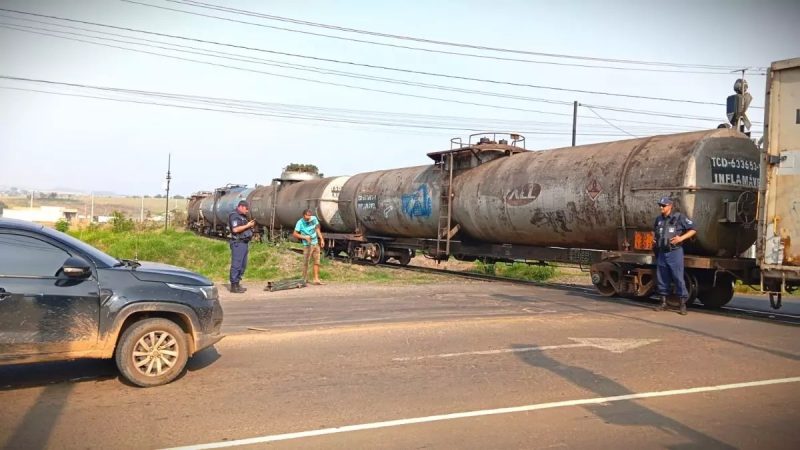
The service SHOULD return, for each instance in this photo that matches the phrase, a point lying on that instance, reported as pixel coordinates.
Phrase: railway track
(765, 315)
(771, 316)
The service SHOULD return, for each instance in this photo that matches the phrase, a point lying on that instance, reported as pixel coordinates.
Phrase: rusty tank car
(398, 202)
(386, 208)
(193, 210)
(593, 196)
(603, 197)
(264, 201)
(321, 196)
(215, 208)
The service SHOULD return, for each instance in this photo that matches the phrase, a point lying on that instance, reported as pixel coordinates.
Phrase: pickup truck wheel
(152, 352)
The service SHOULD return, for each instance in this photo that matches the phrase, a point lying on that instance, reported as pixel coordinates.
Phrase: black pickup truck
(62, 299)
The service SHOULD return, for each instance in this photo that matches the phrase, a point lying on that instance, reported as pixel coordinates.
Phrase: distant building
(42, 214)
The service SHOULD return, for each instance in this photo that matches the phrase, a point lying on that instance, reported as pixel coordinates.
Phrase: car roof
(18, 224)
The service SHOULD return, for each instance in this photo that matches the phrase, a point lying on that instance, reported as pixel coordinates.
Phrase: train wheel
(602, 274)
(378, 257)
(405, 259)
(606, 290)
(691, 287)
(719, 295)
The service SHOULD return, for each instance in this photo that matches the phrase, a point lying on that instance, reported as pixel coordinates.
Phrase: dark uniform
(239, 247)
(669, 256)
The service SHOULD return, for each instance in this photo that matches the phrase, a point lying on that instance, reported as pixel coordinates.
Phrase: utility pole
(166, 213)
(32, 192)
(141, 213)
(574, 120)
(91, 219)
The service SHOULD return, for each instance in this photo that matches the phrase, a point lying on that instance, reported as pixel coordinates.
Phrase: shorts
(311, 252)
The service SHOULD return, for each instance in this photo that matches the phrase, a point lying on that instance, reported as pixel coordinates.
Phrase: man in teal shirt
(308, 232)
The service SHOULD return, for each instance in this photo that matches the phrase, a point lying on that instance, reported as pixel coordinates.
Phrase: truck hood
(165, 273)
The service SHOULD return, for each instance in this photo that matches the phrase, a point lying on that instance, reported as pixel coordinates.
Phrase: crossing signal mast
(737, 105)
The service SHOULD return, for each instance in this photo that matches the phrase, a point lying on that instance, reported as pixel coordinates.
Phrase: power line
(199, 4)
(299, 111)
(606, 121)
(321, 119)
(354, 87)
(496, 58)
(371, 66)
(307, 68)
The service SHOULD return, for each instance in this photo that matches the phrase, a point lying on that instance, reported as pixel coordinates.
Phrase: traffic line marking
(610, 344)
(485, 412)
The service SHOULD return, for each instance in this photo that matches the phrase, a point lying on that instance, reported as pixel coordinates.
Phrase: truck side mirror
(75, 267)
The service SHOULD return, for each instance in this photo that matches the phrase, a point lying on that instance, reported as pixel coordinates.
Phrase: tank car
(193, 210)
(215, 208)
(603, 197)
(321, 196)
(593, 196)
(387, 208)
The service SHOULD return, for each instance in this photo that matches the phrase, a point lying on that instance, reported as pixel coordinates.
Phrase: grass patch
(211, 257)
(517, 270)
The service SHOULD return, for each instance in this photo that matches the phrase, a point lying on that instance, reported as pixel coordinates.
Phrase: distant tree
(178, 197)
(52, 195)
(158, 196)
(62, 225)
(146, 196)
(306, 168)
(120, 223)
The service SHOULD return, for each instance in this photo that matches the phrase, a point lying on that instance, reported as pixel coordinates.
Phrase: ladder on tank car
(445, 233)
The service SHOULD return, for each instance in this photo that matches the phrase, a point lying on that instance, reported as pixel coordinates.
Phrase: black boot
(683, 307)
(237, 289)
(663, 305)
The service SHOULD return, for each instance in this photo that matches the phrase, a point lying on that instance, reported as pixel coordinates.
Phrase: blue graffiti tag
(417, 203)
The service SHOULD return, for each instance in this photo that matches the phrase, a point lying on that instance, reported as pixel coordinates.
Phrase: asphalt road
(466, 365)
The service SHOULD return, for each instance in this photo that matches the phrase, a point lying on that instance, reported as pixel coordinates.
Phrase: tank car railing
(514, 137)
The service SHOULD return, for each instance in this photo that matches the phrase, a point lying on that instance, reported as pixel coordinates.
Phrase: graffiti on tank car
(417, 203)
(557, 220)
(387, 210)
(564, 221)
(523, 195)
(581, 218)
(367, 201)
(734, 171)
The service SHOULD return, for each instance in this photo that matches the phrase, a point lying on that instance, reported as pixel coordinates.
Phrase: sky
(96, 95)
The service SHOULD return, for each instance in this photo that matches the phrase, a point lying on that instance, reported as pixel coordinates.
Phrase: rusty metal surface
(583, 196)
(261, 201)
(400, 202)
(193, 207)
(320, 195)
(779, 243)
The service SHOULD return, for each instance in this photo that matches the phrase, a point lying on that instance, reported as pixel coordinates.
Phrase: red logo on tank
(593, 190)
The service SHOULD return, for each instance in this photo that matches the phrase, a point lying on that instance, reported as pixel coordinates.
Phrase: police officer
(241, 233)
(671, 230)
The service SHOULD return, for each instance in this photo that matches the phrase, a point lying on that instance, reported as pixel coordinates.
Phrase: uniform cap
(665, 201)
(243, 203)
